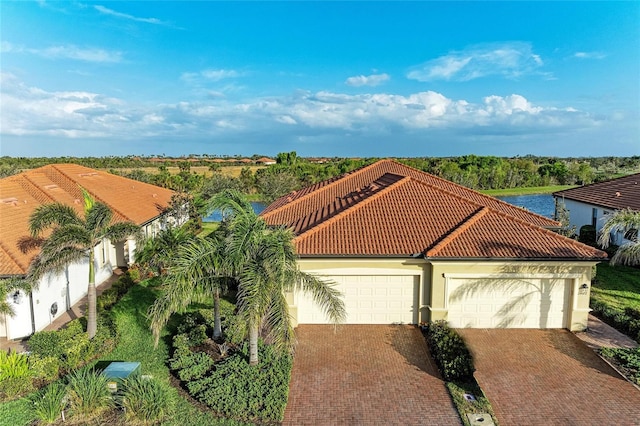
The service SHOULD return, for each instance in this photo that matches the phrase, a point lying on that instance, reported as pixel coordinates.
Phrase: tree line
(292, 172)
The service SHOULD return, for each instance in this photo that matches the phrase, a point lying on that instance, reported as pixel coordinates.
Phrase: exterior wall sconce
(17, 297)
(583, 289)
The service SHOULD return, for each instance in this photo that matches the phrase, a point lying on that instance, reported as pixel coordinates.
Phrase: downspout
(33, 317)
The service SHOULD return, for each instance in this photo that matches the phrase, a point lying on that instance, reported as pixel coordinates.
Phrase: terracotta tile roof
(21, 194)
(389, 209)
(615, 194)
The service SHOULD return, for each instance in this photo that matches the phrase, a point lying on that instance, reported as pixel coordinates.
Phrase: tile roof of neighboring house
(617, 194)
(389, 209)
(21, 194)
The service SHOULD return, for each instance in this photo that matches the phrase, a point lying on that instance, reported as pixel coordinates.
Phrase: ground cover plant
(455, 363)
(220, 376)
(627, 360)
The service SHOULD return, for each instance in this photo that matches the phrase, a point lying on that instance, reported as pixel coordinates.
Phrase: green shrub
(146, 401)
(48, 403)
(134, 274)
(15, 375)
(45, 369)
(107, 299)
(450, 352)
(587, 235)
(632, 312)
(45, 343)
(89, 395)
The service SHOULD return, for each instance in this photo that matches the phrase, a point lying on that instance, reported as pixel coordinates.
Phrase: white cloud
(80, 114)
(210, 75)
(69, 51)
(367, 80)
(111, 12)
(589, 55)
(509, 60)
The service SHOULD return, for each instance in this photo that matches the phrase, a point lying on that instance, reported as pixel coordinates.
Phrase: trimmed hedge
(450, 352)
(627, 321)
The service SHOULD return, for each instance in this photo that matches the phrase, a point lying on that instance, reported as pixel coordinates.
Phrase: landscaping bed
(455, 363)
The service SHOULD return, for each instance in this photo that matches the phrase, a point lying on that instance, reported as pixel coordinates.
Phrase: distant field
(233, 171)
(526, 191)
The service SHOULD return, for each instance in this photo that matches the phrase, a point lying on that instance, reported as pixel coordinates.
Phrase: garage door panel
(375, 299)
(495, 303)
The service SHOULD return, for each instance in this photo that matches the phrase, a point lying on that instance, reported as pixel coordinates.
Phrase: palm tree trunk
(253, 344)
(92, 316)
(217, 326)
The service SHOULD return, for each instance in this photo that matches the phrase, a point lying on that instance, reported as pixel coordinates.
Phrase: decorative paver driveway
(366, 375)
(549, 377)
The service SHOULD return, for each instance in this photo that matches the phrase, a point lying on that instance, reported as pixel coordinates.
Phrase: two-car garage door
(508, 302)
(369, 299)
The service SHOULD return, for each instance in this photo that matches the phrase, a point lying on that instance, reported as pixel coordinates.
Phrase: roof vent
(50, 187)
(12, 201)
(617, 193)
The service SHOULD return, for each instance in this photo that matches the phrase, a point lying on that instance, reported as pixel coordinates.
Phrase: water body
(217, 217)
(541, 204)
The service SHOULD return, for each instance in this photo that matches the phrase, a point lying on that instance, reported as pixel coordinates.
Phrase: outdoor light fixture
(17, 297)
(583, 289)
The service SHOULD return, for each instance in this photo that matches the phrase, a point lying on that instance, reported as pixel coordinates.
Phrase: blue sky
(324, 79)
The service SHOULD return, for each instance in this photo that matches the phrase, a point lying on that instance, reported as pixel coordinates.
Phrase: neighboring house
(405, 246)
(266, 161)
(21, 194)
(589, 204)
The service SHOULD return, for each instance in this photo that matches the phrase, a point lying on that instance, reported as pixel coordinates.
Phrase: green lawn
(617, 286)
(526, 191)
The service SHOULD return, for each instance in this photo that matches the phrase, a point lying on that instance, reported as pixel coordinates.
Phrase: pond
(216, 217)
(541, 204)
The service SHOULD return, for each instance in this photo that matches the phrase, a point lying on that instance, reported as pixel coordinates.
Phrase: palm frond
(121, 230)
(98, 217)
(43, 264)
(618, 221)
(627, 254)
(48, 215)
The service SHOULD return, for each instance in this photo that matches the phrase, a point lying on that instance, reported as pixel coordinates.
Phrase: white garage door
(508, 303)
(370, 299)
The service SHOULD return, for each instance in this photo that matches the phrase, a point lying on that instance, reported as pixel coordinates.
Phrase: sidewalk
(76, 311)
(600, 334)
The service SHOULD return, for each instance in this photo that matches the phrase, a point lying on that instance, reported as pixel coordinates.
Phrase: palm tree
(195, 273)
(74, 238)
(264, 263)
(159, 252)
(625, 221)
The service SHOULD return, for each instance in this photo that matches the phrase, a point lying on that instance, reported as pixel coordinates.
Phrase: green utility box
(116, 372)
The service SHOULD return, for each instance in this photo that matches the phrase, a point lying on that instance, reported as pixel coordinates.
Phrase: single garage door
(369, 299)
(508, 303)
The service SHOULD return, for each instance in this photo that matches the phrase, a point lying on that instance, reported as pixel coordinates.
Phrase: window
(594, 217)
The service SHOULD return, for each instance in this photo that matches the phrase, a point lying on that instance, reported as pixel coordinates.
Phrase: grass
(617, 286)
(208, 228)
(525, 191)
(481, 404)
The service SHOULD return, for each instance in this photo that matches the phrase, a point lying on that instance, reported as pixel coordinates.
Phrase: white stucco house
(589, 204)
(21, 194)
(404, 246)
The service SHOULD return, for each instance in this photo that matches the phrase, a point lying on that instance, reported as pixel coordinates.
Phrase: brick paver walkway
(549, 377)
(366, 375)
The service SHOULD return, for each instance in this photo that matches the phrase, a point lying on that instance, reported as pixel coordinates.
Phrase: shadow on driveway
(549, 377)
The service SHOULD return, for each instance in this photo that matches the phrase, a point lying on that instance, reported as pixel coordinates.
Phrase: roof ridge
(353, 208)
(324, 188)
(482, 211)
(598, 183)
(553, 234)
(468, 189)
